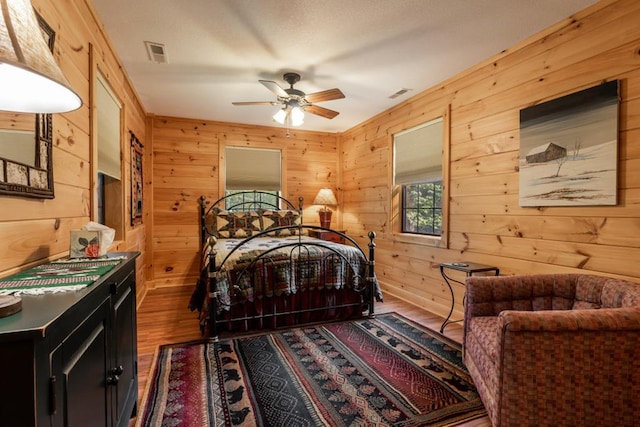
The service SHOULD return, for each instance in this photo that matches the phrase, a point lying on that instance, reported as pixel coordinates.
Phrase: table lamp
(30, 79)
(325, 197)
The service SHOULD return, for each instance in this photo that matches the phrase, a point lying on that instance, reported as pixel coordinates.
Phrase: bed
(260, 269)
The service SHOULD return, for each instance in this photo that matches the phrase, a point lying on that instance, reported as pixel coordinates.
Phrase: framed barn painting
(569, 149)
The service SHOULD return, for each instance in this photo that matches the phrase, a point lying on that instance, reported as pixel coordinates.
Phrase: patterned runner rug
(386, 371)
(58, 276)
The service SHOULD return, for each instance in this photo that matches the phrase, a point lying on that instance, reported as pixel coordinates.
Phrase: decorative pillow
(271, 219)
(229, 224)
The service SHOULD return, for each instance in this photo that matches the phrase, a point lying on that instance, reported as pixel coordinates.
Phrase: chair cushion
(620, 293)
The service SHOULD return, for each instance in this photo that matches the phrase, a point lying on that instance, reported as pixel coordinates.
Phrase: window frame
(396, 218)
(222, 166)
(113, 190)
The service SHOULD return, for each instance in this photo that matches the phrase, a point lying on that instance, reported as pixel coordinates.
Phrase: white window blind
(418, 153)
(252, 169)
(108, 111)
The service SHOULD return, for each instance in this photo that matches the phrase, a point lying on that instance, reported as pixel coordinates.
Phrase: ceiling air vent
(156, 52)
(400, 92)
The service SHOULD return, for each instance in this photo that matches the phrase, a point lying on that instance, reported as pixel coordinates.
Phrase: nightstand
(329, 236)
(469, 269)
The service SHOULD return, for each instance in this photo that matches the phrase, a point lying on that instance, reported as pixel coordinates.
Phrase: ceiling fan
(295, 102)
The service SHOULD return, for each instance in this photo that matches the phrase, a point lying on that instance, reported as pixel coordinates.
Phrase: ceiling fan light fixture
(281, 115)
(295, 102)
(297, 116)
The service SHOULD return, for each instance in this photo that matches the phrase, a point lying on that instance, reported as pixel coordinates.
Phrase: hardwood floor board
(163, 318)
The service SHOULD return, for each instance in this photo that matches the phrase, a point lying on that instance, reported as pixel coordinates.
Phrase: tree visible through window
(422, 208)
(251, 200)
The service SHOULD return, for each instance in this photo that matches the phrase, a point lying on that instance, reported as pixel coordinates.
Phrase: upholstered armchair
(554, 350)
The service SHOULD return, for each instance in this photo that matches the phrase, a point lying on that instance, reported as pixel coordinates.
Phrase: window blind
(252, 169)
(417, 153)
(108, 111)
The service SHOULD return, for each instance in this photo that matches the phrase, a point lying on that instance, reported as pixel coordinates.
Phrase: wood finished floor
(163, 318)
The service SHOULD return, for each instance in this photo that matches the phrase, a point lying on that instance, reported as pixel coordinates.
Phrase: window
(418, 172)
(109, 207)
(250, 201)
(422, 208)
(252, 169)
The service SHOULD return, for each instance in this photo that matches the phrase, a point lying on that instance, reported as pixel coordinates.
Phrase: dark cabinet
(72, 356)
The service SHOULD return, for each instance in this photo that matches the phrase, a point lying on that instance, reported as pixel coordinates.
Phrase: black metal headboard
(244, 201)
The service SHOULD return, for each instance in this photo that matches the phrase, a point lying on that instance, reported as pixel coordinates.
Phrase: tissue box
(107, 235)
(84, 244)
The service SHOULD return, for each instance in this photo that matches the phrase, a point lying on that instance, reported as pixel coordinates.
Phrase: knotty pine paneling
(33, 231)
(487, 225)
(186, 164)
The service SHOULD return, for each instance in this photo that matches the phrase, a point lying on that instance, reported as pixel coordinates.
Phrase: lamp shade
(291, 114)
(297, 116)
(281, 116)
(325, 197)
(30, 79)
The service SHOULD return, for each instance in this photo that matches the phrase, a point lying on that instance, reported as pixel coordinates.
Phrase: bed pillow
(279, 218)
(229, 224)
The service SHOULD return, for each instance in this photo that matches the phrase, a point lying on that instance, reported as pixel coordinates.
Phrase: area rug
(386, 371)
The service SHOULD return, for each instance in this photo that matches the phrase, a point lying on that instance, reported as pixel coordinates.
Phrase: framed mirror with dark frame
(26, 164)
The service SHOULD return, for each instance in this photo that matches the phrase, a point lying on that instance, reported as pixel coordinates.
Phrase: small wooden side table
(469, 268)
(329, 236)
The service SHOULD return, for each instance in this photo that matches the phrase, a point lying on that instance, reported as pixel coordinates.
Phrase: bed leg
(371, 274)
(213, 306)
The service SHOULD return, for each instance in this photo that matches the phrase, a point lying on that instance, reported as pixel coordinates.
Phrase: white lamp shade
(325, 197)
(297, 116)
(280, 116)
(30, 79)
(294, 115)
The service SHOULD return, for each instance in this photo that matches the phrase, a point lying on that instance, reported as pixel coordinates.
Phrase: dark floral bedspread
(268, 266)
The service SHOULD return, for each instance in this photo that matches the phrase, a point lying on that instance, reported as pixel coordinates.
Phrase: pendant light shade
(281, 116)
(30, 79)
(291, 114)
(297, 116)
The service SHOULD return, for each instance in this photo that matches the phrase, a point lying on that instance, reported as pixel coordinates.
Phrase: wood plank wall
(601, 43)
(187, 162)
(33, 231)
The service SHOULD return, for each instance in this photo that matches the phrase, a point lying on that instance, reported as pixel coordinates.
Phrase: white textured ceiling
(370, 49)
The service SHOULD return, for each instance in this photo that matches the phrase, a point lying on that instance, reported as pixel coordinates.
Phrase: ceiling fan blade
(275, 88)
(321, 111)
(256, 103)
(325, 95)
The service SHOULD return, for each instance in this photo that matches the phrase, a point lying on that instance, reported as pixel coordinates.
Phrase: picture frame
(569, 149)
(136, 181)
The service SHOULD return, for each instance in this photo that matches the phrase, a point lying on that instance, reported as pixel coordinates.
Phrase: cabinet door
(78, 367)
(124, 349)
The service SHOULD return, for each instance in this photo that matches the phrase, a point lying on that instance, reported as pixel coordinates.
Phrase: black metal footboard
(298, 281)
